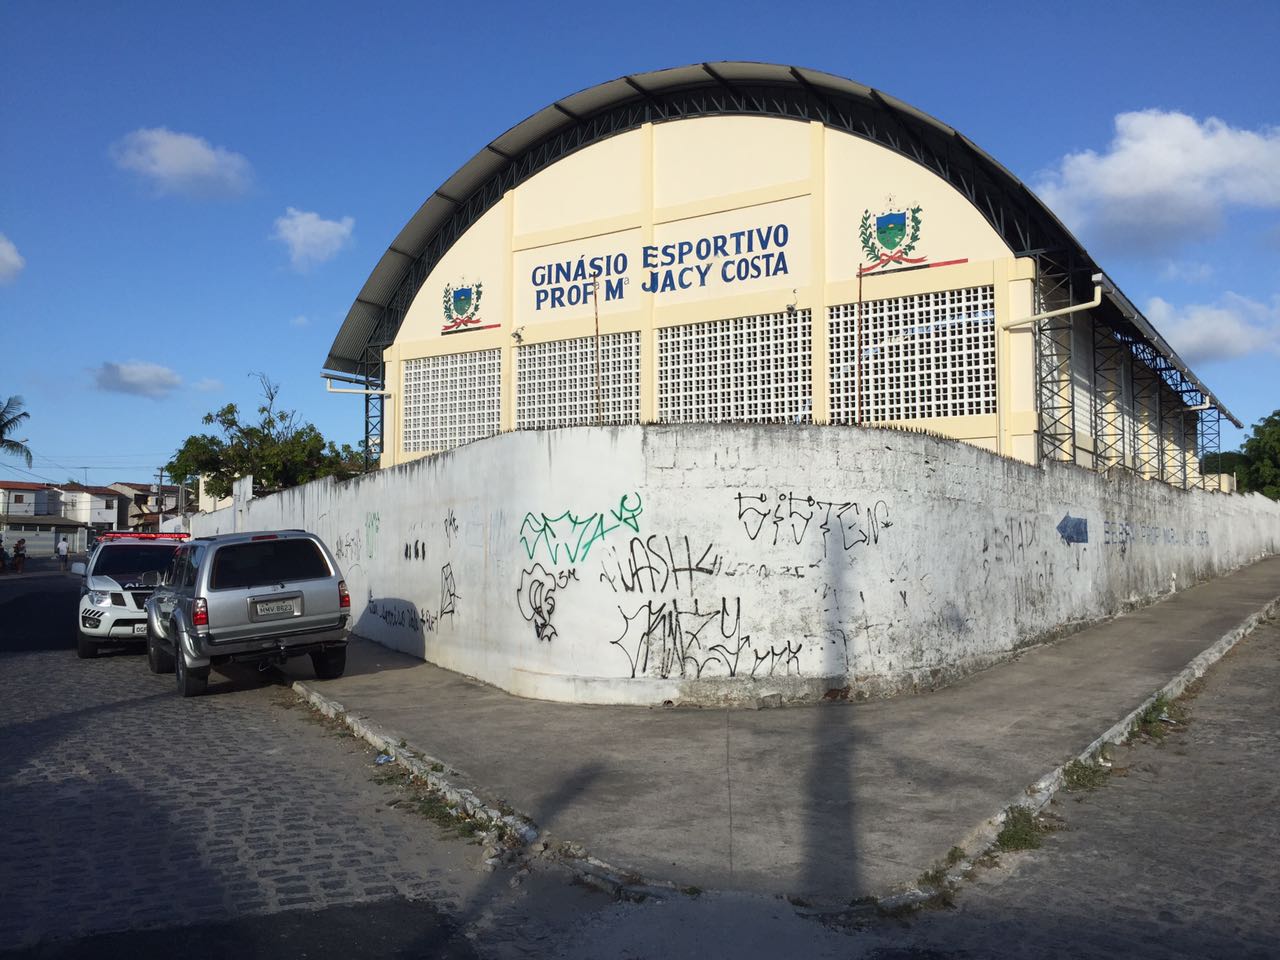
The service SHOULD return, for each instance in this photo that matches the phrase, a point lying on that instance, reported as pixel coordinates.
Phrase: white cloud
(208, 384)
(182, 163)
(1186, 271)
(138, 377)
(11, 262)
(1231, 328)
(311, 238)
(299, 321)
(1166, 178)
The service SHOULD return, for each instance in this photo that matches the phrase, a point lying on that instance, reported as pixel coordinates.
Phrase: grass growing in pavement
(1080, 775)
(1154, 722)
(1020, 830)
(937, 877)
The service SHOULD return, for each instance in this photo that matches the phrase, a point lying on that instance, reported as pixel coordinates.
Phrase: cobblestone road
(1178, 857)
(126, 807)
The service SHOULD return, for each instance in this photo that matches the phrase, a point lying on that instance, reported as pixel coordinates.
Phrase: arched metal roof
(704, 89)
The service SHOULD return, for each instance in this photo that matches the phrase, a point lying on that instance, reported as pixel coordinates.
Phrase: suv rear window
(264, 562)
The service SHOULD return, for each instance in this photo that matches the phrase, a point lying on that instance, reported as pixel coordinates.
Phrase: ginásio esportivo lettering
(735, 257)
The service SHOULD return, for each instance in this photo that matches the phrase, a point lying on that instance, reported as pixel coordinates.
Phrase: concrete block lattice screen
(719, 563)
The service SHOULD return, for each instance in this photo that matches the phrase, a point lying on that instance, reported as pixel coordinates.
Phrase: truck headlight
(99, 598)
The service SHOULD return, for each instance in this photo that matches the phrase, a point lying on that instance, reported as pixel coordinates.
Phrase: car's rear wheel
(330, 664)
(159, 660)
(192, 681)
(86, 649)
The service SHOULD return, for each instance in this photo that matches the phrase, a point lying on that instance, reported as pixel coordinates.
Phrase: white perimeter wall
(708, 563)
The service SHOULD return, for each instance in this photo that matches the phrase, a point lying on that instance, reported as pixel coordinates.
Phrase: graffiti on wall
(348, 547)
(1012, 540)
(1123, 533)
(842, 525)
(406, 615)
(372, 522)
(450, 525)
(402, 615)
(536, 597)
(568, 536)
(678, 637)
(448, 593)
(653, 564)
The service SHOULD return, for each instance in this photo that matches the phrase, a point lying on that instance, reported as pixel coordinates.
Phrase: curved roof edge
(702, 89)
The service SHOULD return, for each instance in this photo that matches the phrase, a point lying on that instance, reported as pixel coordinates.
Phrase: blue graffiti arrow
(1073, 529)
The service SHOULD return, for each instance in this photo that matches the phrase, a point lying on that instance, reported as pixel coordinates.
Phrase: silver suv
(248, 596)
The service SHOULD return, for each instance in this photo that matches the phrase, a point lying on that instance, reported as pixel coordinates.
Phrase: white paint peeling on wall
(720, 563)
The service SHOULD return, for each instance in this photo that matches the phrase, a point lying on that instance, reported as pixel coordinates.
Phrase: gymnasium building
(758, 243)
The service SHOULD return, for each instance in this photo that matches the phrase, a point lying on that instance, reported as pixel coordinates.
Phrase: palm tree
(12, 414)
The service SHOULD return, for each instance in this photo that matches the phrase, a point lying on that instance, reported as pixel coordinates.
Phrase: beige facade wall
(699, 222)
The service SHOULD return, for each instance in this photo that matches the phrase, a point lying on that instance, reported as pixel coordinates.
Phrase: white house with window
(20, 499)
(100, 508)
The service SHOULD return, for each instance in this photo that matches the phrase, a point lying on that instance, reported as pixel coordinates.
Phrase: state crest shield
(461, 306)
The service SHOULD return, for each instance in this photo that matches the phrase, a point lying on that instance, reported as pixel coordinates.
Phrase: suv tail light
(344, 598)
(200, 613)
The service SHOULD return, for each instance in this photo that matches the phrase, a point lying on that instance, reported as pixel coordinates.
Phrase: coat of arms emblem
(461, 306)
(890, 237)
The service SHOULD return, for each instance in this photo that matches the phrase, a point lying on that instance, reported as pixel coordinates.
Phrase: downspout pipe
(328, 383)
(1074, 308)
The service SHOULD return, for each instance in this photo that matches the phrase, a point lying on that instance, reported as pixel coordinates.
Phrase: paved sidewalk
(827, 802)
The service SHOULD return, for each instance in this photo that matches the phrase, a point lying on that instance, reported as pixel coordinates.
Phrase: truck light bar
(125, 535)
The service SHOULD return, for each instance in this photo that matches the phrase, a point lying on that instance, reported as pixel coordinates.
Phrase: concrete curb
(1037, 795)
(591, 871)
(421, 765)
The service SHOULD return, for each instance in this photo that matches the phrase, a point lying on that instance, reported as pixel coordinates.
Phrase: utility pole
(159, 498)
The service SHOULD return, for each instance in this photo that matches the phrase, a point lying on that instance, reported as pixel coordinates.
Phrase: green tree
(1261, 449)
(11, 416)
(278, 450)
(1228, 461)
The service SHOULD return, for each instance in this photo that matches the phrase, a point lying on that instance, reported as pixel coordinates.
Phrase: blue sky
(195, 194)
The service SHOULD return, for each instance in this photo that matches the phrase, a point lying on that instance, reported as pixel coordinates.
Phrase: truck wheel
(192, 681)
(159, 660)
(86, 649)
(330, 664)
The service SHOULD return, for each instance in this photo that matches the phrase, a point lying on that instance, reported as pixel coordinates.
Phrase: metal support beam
(1055, 386)
(1110, 359)
(1209, 444)
(1148, 451)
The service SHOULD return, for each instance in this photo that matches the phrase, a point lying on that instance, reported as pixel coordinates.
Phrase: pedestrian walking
(4, 557)
(64, 548)
(19, 554)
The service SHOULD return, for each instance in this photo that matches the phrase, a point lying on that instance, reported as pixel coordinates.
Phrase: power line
(139, 457)
(9, 466)
(60, 466)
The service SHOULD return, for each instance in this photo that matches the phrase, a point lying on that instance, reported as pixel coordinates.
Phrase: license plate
(276, 608)
(139, 628)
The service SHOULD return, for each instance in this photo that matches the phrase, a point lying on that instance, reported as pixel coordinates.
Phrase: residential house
(148, 503)
(34, 512)
(99, 508)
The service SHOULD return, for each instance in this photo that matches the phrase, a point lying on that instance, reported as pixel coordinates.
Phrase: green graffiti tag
(570, 536)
